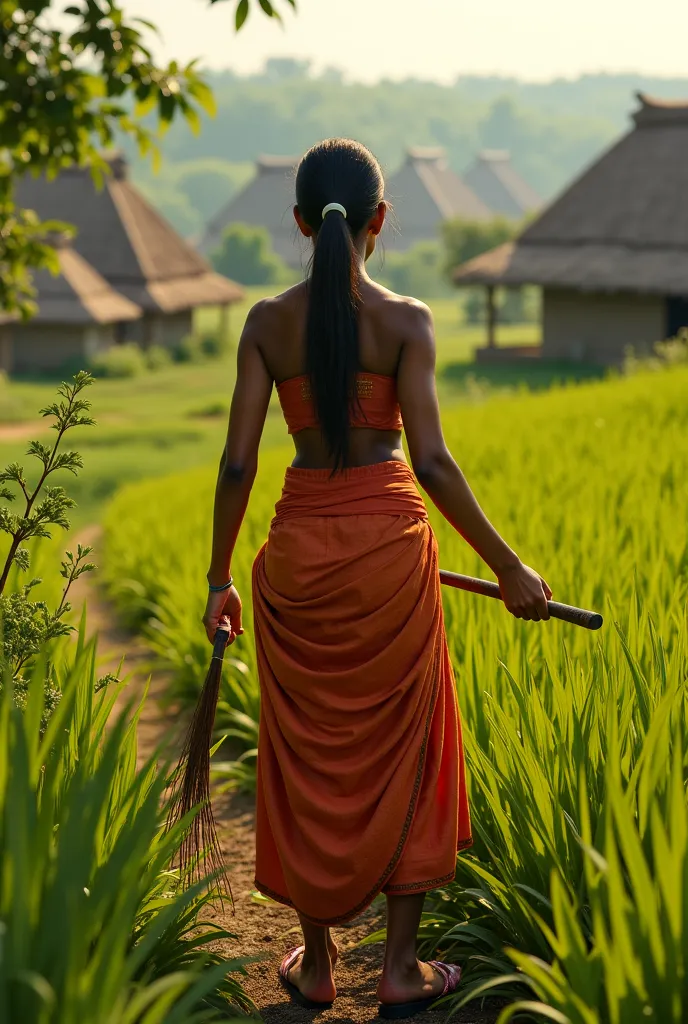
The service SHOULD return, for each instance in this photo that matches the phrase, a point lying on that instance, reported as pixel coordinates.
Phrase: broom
(191, 781)
(192, 778)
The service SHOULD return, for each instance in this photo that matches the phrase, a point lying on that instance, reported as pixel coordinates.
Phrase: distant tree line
(552, 130)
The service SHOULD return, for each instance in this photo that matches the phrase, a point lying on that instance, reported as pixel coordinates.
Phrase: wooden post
(225, 337)
(6, 349)
(491, 315)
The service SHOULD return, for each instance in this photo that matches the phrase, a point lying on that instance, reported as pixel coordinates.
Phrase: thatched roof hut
(424, 192)
(266, 201)
(498, 184)
(132, 246)
(611, 253)
(78, 314)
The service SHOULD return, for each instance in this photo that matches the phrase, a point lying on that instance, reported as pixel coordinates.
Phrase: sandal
(295, 993)
(451, 973)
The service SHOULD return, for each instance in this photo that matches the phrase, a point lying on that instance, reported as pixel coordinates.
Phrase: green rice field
(574, 899)
(573, 903)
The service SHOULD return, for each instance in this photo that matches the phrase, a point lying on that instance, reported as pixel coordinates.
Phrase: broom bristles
(200, 847)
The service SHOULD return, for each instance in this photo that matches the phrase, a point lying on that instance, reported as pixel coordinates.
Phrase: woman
(361, 785)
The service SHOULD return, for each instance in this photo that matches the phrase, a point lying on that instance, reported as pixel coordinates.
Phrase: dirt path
(266, 929)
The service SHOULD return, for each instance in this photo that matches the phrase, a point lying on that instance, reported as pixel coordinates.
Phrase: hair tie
(333, 206)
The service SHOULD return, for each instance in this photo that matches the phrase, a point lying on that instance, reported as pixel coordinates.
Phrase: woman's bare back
(383, 331)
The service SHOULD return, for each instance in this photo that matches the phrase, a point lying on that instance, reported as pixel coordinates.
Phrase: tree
(64, 95)
(246, 255)
(464, 239)
(418, 271)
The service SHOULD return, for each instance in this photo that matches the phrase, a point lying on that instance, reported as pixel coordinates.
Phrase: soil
(262, 929)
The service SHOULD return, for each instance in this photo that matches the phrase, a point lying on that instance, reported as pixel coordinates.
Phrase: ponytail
(332, 332)
(341, 180)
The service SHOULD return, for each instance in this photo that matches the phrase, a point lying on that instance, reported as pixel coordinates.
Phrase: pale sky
(435, 39)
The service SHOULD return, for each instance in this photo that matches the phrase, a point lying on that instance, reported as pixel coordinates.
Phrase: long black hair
(345, 172)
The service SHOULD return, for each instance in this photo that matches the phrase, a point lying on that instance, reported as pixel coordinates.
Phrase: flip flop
(295, 993)
(397, 1011)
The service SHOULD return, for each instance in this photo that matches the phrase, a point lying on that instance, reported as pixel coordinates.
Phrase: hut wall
(37, 347)
(172, 329)
(167, 330)
(597, 327)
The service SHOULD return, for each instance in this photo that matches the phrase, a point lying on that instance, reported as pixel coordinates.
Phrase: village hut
(134, 248)
(424, 192)
(78, 315)
(266, 201)
(496, 182)
(611, 254)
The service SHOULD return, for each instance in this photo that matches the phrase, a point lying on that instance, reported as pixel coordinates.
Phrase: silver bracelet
(225, 586)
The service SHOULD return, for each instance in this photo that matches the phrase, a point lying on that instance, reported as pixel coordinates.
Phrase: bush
(464, 239)
(95, 925)
(29, 626)
(419, 271)
(210, 410)
(190, 350)
(157, 357)
(246, 255)
(125, 360)
(214, 345)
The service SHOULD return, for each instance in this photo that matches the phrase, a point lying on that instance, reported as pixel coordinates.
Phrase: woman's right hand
(524, 592)
(223, 607)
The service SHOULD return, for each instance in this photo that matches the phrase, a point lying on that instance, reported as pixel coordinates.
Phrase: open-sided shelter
(611, 253)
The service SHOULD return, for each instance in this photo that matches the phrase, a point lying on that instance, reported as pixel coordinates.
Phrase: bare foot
(407, 983)
(314, 980)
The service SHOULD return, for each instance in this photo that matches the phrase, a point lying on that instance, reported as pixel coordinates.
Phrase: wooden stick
(565, 612)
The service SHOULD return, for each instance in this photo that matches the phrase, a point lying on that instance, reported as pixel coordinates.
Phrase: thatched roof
(127, 241)
(495, 181)
(266, 201)
(77, 295)
(622, 226)
(424, 192)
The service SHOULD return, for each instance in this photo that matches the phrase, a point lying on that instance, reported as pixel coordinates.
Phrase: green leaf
(241, 14)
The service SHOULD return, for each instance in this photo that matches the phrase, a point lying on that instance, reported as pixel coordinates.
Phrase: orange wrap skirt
(361, 784)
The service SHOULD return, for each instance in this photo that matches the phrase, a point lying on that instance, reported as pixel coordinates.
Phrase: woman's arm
(238, 467)
(524, 592)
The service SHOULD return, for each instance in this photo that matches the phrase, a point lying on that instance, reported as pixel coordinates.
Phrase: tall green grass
(94, 926)
(590, 485)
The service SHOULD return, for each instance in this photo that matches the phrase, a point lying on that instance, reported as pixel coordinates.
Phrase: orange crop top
(377, 395)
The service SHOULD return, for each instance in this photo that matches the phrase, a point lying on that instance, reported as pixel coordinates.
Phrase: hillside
(552, 130)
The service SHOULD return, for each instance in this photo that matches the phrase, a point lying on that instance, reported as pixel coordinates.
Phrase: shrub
(157, 357)
(211, 409)
(419, 271)
(246, 255)
(29, 626)
(189, 351)
(214, 345)
(125, 360)
(464, 239)
(95, 925)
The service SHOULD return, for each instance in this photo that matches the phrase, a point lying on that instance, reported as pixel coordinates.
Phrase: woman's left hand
(225, 605)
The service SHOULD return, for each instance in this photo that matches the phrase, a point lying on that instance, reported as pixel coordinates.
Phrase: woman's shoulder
(272, 310)
(403, 314)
